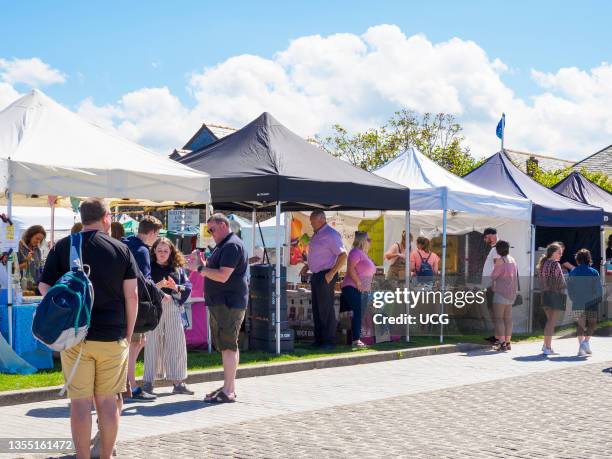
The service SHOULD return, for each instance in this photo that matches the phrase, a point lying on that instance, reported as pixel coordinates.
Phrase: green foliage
(438, 136)
(551, 178)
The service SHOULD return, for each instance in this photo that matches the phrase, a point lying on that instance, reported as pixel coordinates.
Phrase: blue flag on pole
(501, 126)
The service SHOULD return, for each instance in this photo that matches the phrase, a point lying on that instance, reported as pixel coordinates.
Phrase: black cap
(488, 231)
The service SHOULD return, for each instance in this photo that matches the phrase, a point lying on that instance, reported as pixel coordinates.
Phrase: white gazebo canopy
(45, 149)
(434, 188)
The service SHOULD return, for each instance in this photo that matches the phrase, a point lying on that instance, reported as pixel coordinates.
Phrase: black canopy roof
(264, 162)
(576, 186)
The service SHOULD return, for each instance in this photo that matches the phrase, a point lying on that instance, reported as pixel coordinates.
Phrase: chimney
(531, 165)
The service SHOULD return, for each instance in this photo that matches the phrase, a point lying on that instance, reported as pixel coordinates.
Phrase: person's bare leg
(552, 323)
(508, 322)
(135, 349)
(591, 325)
(230, 366)
(580, 326)
(80, 424)
(108, 419)
(498, 317)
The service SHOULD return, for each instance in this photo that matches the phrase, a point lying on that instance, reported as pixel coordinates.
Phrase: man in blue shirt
(585, 290)
(227, 296)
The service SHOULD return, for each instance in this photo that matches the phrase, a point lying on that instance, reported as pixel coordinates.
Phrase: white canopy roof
(28, 216)
(50, 150)
(434, 188)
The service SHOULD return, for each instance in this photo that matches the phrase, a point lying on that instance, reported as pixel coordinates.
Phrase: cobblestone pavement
(434, 406)
(562, 414)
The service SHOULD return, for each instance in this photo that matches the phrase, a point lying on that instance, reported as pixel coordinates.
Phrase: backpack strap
(76, 250)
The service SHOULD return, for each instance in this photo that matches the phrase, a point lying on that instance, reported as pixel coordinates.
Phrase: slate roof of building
(600, 161)
(546, 163)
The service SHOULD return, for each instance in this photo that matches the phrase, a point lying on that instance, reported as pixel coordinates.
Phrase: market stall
(442, 204)
(45, 149)
(577, 187)
(265, 166)
(553, 217)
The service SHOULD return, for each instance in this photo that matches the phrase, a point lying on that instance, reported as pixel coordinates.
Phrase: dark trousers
(323, 312)
(358, 302)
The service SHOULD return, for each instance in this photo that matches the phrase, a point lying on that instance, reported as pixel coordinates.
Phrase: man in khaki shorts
(226, 299)
(101, 373)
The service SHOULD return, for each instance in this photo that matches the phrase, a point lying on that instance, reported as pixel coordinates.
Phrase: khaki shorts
(102, 369)
(225, 326)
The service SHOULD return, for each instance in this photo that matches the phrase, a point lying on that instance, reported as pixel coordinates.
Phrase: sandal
(215, 392)
(220, 397)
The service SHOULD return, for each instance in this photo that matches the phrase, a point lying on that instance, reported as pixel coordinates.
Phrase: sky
(155, 71)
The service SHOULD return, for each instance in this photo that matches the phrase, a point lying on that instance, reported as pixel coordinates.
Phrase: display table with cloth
(24, 343)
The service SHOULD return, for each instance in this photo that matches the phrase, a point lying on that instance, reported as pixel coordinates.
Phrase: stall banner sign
(9, 237)
(376, 231)
(181, 219)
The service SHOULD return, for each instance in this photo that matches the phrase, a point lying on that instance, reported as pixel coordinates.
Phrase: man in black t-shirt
(101, 372)
(226, 295)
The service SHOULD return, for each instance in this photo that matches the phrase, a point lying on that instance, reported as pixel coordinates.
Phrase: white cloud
(152, 117)
(360, 80)
(32, 72)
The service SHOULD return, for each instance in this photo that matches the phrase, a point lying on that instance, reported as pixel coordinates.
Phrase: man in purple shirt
(326, 255)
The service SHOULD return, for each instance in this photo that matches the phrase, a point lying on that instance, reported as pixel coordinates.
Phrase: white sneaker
(587, 347)
(549, 351)
(581, 351)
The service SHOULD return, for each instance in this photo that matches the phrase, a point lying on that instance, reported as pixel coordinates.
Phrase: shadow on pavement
(607, 370)
(53, 412)
(567, 358)
(164, 409)
(531, 358)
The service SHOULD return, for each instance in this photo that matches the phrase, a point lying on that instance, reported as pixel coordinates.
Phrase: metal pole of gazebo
(277, 277)
(443, 280)
(531, 267)
(254, 231)
(9, 264)
(407, 273)
(602, 275)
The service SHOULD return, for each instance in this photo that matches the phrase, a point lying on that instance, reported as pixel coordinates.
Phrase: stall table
(24, 343)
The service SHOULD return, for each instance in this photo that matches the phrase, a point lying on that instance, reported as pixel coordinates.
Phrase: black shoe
(139, 394)
(182, 389)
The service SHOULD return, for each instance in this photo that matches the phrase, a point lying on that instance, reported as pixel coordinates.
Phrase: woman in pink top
(505, 285)
(358, 282)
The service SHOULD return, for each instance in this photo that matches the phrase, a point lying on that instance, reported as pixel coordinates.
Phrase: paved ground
(483, 404)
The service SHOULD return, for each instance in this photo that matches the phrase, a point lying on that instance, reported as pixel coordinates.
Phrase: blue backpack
(63, 316)
(425, 272)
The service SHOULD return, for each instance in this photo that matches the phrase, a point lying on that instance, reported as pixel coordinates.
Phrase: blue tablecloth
(24, 344)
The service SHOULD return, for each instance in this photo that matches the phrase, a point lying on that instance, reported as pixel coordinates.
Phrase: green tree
(438, 136)
(551, 178)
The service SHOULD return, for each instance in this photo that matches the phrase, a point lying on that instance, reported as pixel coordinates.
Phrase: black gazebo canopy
(264, 163)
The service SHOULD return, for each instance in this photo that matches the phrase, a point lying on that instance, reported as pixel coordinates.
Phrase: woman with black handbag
(553, 286)
(166, 348)
(505, 285)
